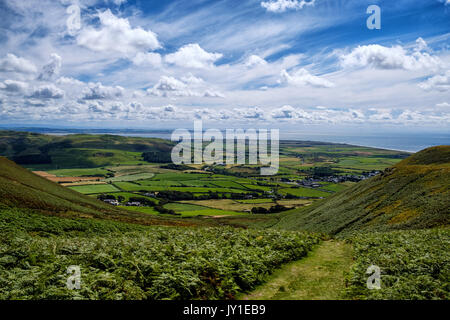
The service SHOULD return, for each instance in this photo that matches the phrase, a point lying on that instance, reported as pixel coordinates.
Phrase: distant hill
(78, 150)
(22, 189)
(414, 194)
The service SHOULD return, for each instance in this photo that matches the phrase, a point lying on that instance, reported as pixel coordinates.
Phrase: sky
(289, 64)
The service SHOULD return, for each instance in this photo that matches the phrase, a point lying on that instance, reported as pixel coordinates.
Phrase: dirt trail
(319, 276)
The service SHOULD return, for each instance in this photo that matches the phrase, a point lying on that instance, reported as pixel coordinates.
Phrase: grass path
(319, 276)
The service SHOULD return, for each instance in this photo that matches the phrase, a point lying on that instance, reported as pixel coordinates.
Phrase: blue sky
(273, 63)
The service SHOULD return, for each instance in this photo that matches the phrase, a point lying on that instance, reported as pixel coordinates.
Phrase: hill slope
(414, 194)
(20, 188)
(77, 150)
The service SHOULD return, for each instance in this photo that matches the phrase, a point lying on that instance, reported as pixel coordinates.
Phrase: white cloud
(188, 86)
(213, 94)
(438, 82)
(69, 81)
(254, 61)
(443, 104)
(302, 77)
(52, 68)
(117, 35)
(283, 5)
(147, 59)
(12, 63)
(285, 112)
(14, 86)
(170, 86)
(49, 91)
(421, 45)
(380, 57)
(97, 91)
(119, 2)
(193, 56)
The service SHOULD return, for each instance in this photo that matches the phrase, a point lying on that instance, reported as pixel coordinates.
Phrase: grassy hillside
(122, 261)
(20, 188)
(76, 151)
(414, 194)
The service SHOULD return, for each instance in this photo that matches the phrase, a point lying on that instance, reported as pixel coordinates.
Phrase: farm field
(236, 205)
(148, 210)
(95, 189)
(131, 177)
(124, 179)
(305, 192)
(228, 204)
(79, 172)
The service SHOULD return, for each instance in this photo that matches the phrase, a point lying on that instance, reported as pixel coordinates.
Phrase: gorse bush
(145, 263)
(414, 265)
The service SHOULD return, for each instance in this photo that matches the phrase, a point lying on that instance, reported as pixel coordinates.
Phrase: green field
(94, 189)
(79, 172)
(304, 192)
(148, 210)
(183, 207)
(127, 186)
(255, 201)
(333, 187)
(128, 195)
(132, 177)
(196, 210)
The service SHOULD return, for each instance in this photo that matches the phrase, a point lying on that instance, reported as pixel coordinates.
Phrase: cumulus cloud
(193, 56)
(169, 85)
(48, 91)
(52, 68)
(116, 35)
(380, 57)
(421, 45)
(96, 91)
(12, 63)
(302, 77)
(438, 82)
(188, 86)
(254, 61)
(251, 113)
(285, 112)
(13, 86)
(69, 81)
(283, 5)
(147, 59)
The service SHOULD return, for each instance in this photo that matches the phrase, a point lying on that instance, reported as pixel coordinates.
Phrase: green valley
(152, 230)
